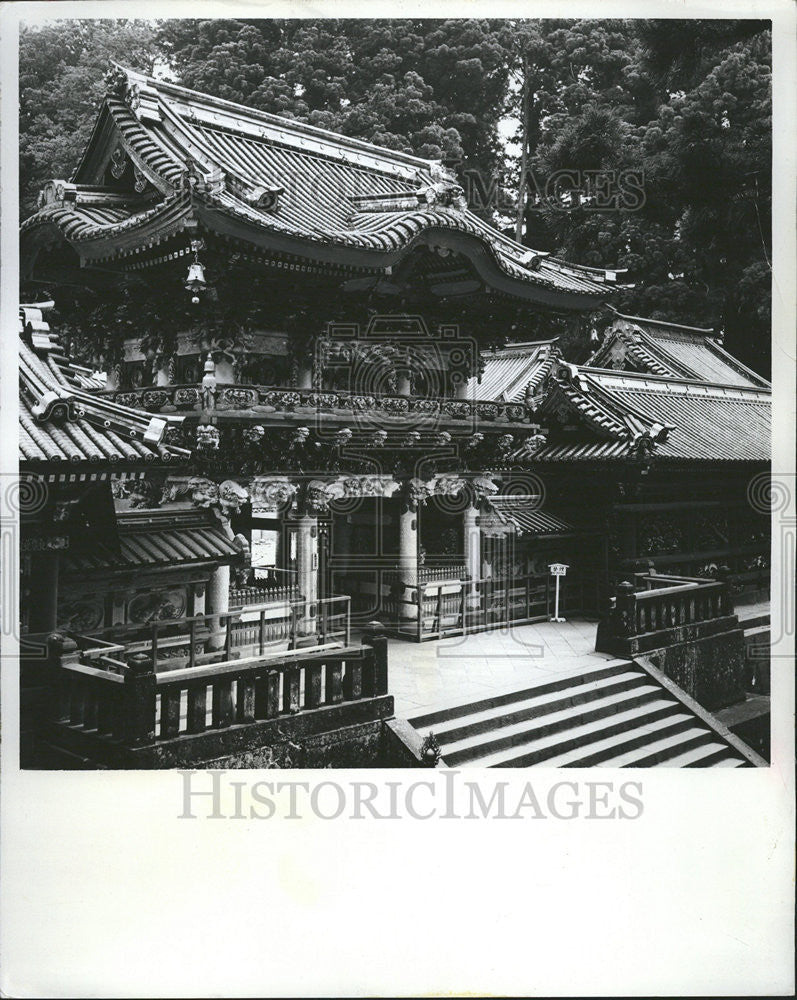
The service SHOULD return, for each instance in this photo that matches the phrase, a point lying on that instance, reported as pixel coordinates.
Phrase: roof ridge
(520, 346)
(661, 322)
(674, 381)
(165, 88)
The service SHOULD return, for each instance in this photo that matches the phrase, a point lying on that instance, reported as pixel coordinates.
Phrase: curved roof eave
(102, 242)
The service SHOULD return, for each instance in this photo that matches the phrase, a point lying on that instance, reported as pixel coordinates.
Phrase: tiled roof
(145, 541)
(676, 419)
(514, 372)
(662, 348)
(281, 178)
(61, 423)
(526, 515)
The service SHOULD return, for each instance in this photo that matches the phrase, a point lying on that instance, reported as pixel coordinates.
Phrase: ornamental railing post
(60, 649)
(140, 693)
(626, 609)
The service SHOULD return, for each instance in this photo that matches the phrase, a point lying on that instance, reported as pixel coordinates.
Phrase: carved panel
(154, 605)
(83, 614)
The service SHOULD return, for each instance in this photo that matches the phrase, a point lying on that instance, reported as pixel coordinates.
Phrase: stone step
(534, 707)
(448, 713)
(663, 750)
(584, 752)
(559, 731)
(707, 755)
(727, 762)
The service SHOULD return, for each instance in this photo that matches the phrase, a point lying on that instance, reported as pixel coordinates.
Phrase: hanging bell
(195, 282)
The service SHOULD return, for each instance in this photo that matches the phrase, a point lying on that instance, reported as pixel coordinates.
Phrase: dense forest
(545, 121)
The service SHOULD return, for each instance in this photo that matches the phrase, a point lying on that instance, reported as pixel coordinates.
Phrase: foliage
(686, 105)
(430, 87)
(62, 69)
(697, 245)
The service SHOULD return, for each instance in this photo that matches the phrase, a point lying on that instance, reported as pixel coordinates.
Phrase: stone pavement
(460, 669)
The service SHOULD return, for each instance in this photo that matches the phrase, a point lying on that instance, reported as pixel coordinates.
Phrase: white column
(408, 559)
(198, 592)
(307, 570)
(472, 537)
(304, 377)
(217, 602)
(403, 384)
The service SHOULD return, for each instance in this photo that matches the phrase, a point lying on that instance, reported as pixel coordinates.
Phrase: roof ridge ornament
(116, 81)
(570, 374)
(133, 89)
(34, 328)
(55, 193)
(532, 260)
(262, 196)
(443, 191)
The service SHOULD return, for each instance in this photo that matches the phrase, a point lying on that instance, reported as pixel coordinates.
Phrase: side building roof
(653, 346)
(608, 415)
(65, 431)
(163, 159)
(514, 373)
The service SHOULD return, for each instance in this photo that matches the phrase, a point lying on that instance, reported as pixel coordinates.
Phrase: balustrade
(279, 586)
(457, 606)
(428, 574)
(133, 704)
(685, 602)
(265, 399)
(256, 629)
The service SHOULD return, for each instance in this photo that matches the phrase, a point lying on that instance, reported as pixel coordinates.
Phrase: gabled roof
(660, 348)
(61, 425)
(514, 373)
(620, 415)
(282, 186)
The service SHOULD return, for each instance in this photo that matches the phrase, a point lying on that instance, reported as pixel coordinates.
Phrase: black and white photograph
(396, 398)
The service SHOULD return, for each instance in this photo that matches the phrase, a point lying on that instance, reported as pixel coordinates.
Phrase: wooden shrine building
(367, 374)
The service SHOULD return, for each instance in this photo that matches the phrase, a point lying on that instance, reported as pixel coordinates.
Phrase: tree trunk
(524, 153)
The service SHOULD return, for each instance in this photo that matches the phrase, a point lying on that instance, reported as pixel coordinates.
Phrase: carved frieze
(272, 494)
(207, 438)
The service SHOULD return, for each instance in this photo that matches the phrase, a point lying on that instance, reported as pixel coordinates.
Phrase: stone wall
(710, 669)
(369, 745)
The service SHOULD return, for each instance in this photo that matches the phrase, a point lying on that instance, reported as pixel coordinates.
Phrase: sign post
(557, 570)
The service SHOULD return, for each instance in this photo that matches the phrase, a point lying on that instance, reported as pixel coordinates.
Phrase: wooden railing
(685, 602)
(427, 574)
(258, 629)
(279, 586)
(451, 606)
(461, 606)
(131, 704)
(745, 566)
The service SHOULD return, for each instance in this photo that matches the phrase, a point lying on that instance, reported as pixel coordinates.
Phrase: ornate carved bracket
(225, 499)
(273, 494)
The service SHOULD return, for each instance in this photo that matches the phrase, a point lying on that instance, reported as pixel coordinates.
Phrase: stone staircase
(615, 714)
